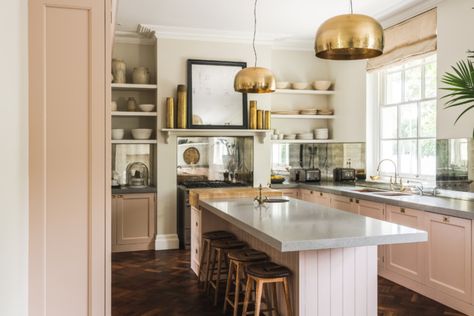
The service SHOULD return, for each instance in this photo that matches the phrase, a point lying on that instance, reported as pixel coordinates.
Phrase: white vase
(141, 75)
(119, 70)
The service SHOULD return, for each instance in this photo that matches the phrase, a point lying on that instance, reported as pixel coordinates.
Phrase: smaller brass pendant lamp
(254, 79)
(349, 37)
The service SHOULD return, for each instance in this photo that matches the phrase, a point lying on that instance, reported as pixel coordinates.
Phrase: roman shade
(413, 37)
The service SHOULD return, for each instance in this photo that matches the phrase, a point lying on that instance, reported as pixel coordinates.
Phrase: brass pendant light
(254, 79)
(349, 37)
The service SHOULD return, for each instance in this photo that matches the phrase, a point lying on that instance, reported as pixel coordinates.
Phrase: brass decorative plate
(191, 156)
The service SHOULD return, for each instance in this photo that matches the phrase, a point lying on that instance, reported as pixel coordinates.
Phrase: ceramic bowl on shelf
(113, 106)
(117, 133)
(321, 133)
(283, 85)
(299, 85)
(141, 133)
(289, 136)
(146, 107)
(321, 85)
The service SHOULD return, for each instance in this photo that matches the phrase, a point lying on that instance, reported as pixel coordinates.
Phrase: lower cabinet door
(135, 221)
(449, 255)
(377, 211)
(343, 203)
(406, 259)
(293, 193)
(195, 239)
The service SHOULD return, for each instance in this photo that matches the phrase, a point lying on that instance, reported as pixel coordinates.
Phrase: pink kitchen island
(332, 254)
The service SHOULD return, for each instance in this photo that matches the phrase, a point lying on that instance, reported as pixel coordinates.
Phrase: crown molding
(398, 13)
(277, 41)
(127, 37)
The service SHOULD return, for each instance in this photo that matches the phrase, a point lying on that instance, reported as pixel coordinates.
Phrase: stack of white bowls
(321, 133)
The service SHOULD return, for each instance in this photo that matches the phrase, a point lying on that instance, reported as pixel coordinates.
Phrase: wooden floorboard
(161, 283)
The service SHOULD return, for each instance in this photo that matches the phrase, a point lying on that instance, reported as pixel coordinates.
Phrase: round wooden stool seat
(267, 270)
(247, 255)
(217, 235)
(228, 244)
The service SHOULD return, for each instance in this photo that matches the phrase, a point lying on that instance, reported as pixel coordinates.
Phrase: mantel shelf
(260, 133)
(302, 141)
(314, 92)
(132, 113)
(301, 116)
(133, 86)
(134, 141)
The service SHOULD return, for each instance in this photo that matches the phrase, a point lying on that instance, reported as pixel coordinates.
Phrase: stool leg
(268, 298)
(258, 297)
(218, 276)
(201, 263)
(210, 268)
(237, 290)
(275, 299)
(248, 289)
(227, 287)
(287, 296)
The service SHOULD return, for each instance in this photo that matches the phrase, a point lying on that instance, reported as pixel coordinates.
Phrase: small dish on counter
(283, 85)
(146, 107)
(141, 133)
(321, 85)
(299, 85)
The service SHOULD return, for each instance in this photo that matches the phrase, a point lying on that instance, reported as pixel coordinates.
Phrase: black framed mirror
(212, 101)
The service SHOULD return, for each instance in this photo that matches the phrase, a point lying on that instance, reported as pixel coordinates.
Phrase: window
(280, 157)
(407, 107)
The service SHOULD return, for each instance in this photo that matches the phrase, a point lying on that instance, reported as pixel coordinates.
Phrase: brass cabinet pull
(311, 192)
(351, 200)
(196, 251)
(402, 210)
(445, 219)
(196, 224)
(320, 193)
(357, 201)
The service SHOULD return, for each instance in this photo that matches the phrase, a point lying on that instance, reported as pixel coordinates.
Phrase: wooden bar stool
(220, 249)
(238, 260)
(266, 273)
(207, 239)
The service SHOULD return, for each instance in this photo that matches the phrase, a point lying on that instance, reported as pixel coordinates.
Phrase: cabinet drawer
(343, 203)
(449, 255)
(293, 193)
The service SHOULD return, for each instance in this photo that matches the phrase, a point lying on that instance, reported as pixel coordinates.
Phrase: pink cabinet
(406, 259)
(293, 193)
(316, 197)
(449, 255)
(343, 203)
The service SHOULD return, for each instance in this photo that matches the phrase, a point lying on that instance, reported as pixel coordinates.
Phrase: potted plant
(460, 85)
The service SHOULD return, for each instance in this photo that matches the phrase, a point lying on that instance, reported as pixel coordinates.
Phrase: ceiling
(297, 19)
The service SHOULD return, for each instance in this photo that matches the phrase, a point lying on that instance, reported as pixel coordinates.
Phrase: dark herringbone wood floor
(161, 283)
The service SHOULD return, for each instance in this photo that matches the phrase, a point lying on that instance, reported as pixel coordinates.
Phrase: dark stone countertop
(127, 190)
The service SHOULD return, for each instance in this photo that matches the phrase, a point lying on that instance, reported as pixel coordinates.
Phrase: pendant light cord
(352, 11)
(255, 31)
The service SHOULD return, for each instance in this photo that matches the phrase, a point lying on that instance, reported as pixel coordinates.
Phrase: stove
(184, 208)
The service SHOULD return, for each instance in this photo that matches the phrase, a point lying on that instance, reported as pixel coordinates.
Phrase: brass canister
(170, 112)
(268, 120)
(253, 114)
(182, 108)
(259, 119)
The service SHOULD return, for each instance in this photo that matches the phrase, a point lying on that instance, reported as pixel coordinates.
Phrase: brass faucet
(260, 199)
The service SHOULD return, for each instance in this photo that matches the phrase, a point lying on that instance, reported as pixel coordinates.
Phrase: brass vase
(182, 107)
(268, 120)
(170, 117)
(259, 119)
(253, 114)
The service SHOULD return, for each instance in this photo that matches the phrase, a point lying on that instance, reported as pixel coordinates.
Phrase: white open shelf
(134, 141)
(294, 91)
(132, 113)
(260, 133)
(302, 141)
(133, 86)
(301, 116)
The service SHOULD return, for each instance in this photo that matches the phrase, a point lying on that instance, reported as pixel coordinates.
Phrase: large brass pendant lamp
(254, 79)
(348, 37)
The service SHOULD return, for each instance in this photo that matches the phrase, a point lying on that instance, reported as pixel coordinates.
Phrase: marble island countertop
(440, 205)
(298, 225)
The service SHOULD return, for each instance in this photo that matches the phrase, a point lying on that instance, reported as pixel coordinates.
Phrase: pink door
(449, 255)
(69, 190)
(406, 259)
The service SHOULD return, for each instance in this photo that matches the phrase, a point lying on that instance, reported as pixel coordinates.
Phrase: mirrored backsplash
(455, 164)
(326, 157)
(215, 158)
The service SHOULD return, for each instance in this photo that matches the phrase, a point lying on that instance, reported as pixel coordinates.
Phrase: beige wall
(13, 158)
(455, 25)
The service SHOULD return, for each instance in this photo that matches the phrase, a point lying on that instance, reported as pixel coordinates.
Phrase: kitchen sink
(368, 190)
(276, 200)
(391, 193)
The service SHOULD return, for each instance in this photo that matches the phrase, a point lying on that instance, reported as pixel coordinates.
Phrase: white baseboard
(166, 241)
